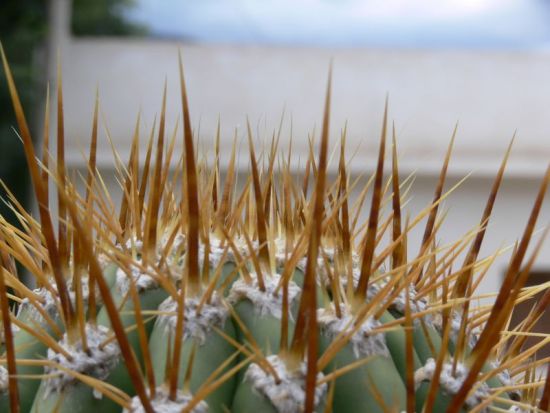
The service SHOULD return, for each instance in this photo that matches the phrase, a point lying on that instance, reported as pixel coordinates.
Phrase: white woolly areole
(178, 243)
(142, 278)
(97, 362)
(451, 383)
(364, 342)
(399, 302)
(142, 281)
(456, 319)
(103, 260)
(506, 380)
(14, 329)
(265, 302)
(416, 305)
(289, 395)
(280, 251)
(162, 404)
(198, 326)
(320, 271)
(85, 289)
(517, 409)
(217, 248)
(373, 288)
(4, 376)
(240, 244)
(326, 256)
(175, 258)
(47, 302)
(134, 244)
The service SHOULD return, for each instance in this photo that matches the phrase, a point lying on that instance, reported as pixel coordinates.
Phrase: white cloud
(402, 23)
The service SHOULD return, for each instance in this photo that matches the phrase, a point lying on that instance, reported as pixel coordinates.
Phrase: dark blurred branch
(104, 18)
(23, 30)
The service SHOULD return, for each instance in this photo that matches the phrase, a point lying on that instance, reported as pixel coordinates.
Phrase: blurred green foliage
(23, 33)
(104, 18)
(23, 29)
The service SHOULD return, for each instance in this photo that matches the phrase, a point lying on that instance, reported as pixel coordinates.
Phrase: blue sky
(500, 24)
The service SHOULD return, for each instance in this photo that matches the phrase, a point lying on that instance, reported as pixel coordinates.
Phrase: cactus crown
(268, 296)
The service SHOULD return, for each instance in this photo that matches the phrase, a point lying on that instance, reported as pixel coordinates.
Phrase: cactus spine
(271, 297)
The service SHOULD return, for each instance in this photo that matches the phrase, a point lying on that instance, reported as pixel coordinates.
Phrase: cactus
(268, 298)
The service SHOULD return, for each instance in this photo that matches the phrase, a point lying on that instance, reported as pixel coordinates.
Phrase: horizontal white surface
(490, 94)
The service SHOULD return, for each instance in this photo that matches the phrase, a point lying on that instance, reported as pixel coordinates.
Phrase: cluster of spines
(151, 216)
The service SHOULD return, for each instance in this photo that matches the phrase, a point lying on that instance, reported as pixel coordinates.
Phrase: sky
(471, 24)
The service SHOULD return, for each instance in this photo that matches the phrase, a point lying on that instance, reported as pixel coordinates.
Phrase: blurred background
(482, 63)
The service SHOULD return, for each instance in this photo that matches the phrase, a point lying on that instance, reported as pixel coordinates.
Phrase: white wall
(491, 93)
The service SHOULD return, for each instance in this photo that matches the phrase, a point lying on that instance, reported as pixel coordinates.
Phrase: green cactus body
(149, 300)
(321, 295)
(181, 214)
(359, 386)
(426, 338)
(63, 392)
(450, 380)
(29, 347)
(258, 391)
(79, 398)
(377, 376)
(249, 400)
(261, 311)
(228, 270)
(442, 399)
(162, 402)
(264, 328)
(396, 342)
(109, 274)
(201, 341)
(494, 382)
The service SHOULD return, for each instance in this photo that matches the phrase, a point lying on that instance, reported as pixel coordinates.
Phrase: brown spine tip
(151, 222)
(466, 275)
(306, 324)
(128, 197)
(225, 204)
(193, 272)
(430, 223)
(145, 175)
(370, 241)
(192, 280)
(260, 213)
(8, 339)
(41, 197)
(509, 291)
(92, 160)
(112, 310)
(46, 145)
(61, 174)
(398, 256)
(144, 344)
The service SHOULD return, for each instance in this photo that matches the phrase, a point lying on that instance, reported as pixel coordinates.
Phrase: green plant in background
(23, 29)
(198, 295)
(104, 18)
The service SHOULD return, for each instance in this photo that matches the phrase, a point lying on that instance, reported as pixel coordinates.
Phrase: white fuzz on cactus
(212, 292)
